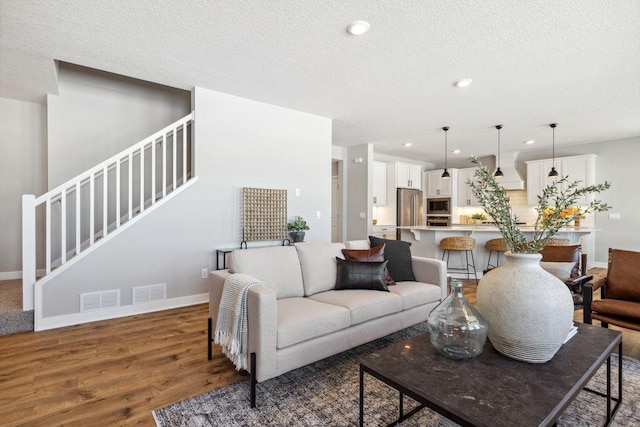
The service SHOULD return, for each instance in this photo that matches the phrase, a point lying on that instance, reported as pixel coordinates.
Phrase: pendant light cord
(553, 144)
(445, 174)
(499, 127)
(445, 147)
(553, 173)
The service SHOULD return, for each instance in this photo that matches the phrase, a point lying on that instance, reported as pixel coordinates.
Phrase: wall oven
(438, 221)
(440, 206)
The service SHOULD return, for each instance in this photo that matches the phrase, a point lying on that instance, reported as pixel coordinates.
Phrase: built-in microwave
(438, 221)
(440, 206)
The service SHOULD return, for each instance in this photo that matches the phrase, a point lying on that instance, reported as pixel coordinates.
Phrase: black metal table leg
(361, 397)
(209, 339)
(253, 380)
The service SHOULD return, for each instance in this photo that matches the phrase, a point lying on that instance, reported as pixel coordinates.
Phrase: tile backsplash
(524, 212)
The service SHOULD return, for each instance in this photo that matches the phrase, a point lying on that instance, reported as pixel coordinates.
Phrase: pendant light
(553, 173)
(498, 173)
(445, 174)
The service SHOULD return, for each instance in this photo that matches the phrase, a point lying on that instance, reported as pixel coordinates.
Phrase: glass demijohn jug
(456, 328)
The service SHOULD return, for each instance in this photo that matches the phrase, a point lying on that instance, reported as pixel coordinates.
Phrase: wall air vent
(142, 294)
(98, 300)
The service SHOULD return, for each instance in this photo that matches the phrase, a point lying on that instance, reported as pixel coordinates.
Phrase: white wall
(98, 114)
(23, 170)
(619, 163)
(239, 143)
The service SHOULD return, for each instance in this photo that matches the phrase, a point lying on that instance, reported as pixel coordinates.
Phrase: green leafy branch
(553, 208)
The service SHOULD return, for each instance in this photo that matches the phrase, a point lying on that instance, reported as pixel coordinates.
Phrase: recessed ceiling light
(358, 27)
(463, 82)
(407, 144)
(456, 151)
(529, 142)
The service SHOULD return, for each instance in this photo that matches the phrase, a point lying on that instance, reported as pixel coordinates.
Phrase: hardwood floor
(115, 372)
(109, 373)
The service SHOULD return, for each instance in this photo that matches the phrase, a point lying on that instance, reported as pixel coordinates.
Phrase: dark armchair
(568, 264)
(619, 290)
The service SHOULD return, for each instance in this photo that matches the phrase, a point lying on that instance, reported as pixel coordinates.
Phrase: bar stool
(558, 242)
(460, 244)
(498, 246)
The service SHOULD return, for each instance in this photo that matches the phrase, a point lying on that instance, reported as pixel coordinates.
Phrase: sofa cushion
(616, 308)
(398, 253)
(567, 253)
(277, 266)
(363, 305)
(318, 264)
(300, 319)
(361, 275)
(374, 254)
(562, 270)
(414, 294)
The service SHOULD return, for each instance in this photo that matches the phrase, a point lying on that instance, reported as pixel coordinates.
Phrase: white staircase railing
(70, 219)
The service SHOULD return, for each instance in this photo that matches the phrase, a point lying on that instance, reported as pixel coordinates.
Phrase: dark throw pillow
(375, 254)
(398, 254)
(360, 275)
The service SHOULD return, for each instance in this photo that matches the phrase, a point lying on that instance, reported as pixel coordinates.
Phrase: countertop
(493, 228)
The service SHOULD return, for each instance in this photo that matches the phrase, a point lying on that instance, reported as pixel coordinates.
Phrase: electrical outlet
(205, 273)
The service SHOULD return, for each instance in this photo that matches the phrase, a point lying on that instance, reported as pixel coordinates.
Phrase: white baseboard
(53, 322)
(10, 275)
(600, 265)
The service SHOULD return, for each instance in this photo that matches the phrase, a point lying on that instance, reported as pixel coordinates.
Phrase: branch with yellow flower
(556, 208)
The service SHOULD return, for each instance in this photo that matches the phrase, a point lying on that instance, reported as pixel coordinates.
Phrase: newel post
(28, 250)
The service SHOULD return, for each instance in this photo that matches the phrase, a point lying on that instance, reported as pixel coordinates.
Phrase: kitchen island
(425, 240)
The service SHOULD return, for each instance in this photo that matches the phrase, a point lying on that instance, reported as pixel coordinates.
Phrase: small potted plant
(478, 217)
(296, 229)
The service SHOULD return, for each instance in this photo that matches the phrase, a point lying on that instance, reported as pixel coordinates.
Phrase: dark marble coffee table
(493, 390)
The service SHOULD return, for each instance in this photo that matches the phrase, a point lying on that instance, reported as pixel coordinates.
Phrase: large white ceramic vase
(529, 311)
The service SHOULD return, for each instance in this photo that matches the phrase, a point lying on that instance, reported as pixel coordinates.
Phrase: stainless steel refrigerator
(409, 211)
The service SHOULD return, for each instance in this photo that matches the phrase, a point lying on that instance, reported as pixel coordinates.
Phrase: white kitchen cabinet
(465, 194)
(379, 184)
(583, 169)
(577, 168)
(439, 187)
(384, 232)
(408, 176)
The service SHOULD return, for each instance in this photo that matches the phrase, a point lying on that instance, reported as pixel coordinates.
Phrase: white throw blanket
(231, 326)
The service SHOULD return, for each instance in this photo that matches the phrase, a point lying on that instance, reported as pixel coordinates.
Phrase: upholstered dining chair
(569, 264)
(619, 291)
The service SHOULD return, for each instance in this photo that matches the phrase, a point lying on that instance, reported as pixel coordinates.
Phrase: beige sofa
(299, 318)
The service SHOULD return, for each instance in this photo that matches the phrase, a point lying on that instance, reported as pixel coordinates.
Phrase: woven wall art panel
(264, 214)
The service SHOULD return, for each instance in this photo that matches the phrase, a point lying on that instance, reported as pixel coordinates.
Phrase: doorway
(336, 202)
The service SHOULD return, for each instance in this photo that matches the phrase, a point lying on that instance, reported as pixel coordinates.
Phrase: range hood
(511, 179)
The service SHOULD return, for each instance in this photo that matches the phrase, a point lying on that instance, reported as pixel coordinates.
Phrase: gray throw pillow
(360, 275)
(398, 254)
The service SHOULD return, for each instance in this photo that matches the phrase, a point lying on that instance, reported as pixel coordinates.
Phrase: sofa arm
(430, 270)
(598, 283)
(263, 330)
(215, 292)
(263, 322)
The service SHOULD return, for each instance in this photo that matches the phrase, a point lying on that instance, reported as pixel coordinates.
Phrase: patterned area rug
(326, 394)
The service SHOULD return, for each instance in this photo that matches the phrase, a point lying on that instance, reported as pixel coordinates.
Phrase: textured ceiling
(575, 62)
